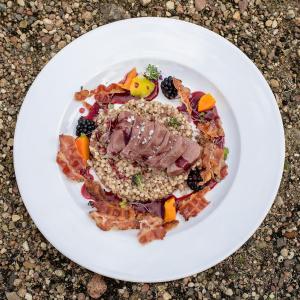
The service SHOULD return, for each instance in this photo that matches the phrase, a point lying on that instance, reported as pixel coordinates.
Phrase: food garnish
(128, 79)
(168, 88)
(226, 152)
(137, 179)
(123, 203)
(206, 102)
(194, 178)
(152, 72)
(81, 95)
(141, 86)
(170, 210)
(174, 122)
(82, 144)
(85, 126)
(184, 94)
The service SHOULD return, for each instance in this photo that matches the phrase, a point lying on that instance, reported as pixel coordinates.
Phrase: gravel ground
(267, 266)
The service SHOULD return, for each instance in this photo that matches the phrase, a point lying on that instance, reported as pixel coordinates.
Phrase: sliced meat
(177, 149)
(161, 151)
(138, 127)
(159, 134)
(190, 155)
(116, 143)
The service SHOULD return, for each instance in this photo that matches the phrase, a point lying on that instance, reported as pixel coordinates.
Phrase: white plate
(205, 61)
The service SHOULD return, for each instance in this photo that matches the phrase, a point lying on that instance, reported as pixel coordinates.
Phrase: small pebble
(170, 5)
(15, 218)
(25, 246)
(96, 286)
(269, 23)
(21, 2)
(145, 2)
(284, 252)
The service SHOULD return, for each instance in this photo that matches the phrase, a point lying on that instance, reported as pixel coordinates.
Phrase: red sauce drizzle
(85, 193)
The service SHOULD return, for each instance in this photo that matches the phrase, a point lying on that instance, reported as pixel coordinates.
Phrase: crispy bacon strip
(212, 128)
(193, 205)
(184, 94)
(151, 228)
(110, 216)
(69, 158)
(95, 190)
(213, 163)
(113, 88)
(170, 225)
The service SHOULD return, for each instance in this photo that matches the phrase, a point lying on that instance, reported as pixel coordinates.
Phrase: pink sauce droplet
(81, 110)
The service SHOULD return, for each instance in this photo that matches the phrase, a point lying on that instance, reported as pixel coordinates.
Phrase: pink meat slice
(161, 151)
(178, 148)
(191, 154)
(146, 138)
(159, 134)
(117, 142)
(129, 151)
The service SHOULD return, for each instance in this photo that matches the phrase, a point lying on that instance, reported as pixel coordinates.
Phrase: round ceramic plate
(204, 61)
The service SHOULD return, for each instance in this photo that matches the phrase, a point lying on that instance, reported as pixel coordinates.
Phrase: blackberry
(85, 126)
(168, 88)
(193, 180)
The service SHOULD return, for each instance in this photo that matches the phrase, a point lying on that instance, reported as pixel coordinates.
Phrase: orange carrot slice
(206, 102)
(128, 78)
(170, 210)
(82, 144)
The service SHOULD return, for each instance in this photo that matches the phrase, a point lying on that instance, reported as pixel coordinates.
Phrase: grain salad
(116, 173)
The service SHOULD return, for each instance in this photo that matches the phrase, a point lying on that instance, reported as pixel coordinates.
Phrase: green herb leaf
(137, 179)
(123, 203)
(226, 152)
(174, 122)
(152, 73)
(110, 106)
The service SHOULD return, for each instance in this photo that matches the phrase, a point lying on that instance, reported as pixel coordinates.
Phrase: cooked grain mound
(117, 173)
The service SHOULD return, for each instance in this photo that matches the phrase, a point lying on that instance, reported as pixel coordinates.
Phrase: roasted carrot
(128, 78)
(170, 210)
(206, 102)
(82, 144)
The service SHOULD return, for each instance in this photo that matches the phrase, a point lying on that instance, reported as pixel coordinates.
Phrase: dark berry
(85, 126)
(193, 180)
(168, 88)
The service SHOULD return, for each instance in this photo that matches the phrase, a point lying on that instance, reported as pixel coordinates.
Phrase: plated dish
(206, 62)
(144, 153)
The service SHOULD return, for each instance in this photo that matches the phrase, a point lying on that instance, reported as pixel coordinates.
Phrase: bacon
(191, 206)
(113, 88)
(151, 228)
(212, 128)
(213, 162)
(170, 225)
(95, 190)
(69, 158)
(184, 94)
(110, 216)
